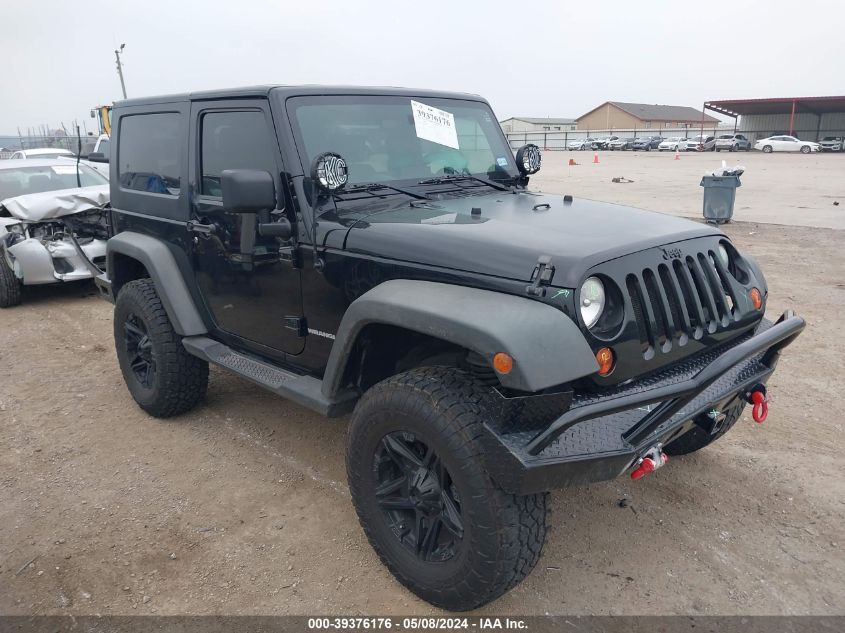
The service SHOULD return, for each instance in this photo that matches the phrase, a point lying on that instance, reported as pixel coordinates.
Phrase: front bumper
(35, 262)
(601, 436)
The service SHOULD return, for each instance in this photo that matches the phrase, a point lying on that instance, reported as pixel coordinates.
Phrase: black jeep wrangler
(376, 251)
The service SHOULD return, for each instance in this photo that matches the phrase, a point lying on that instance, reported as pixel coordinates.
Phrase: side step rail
(304, 390)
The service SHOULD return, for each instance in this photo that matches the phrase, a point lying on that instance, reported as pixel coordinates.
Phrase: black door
(249, 290)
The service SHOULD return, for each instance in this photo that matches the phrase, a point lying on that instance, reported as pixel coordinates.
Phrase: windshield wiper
(442, 180)
(370, 187)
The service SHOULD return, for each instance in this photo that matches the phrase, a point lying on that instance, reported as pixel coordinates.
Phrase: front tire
(10, 286)
(431, 512)
(161, 376)
(767, 149)
(805, 149)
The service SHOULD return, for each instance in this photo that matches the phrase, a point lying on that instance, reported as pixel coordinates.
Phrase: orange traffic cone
(596, 159)
(572, 162)
(677, 155)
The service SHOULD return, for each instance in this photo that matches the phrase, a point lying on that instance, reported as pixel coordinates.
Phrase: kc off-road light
(329, 171)
(591, 300)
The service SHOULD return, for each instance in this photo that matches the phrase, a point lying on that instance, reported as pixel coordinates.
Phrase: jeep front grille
(680, 299)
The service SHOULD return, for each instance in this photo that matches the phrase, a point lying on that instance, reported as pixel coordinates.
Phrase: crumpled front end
(50, 252)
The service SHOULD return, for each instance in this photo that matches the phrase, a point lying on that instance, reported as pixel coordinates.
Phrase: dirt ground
(241, 506)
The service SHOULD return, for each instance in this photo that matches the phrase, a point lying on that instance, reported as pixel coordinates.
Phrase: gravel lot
(241, 506)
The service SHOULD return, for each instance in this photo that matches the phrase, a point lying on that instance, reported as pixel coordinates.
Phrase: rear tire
(163, 378)
(10, 286)
(697, 438)
(414, 460)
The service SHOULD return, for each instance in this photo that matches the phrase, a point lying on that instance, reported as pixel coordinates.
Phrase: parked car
(733, 143)
(467, 335)
(602, 143)
(580, 144)
(701, 143)
(832, 144)
(646, 143)
(51, 229)
(621, 143)
(673, 144)
(786, 143)
(41, 152)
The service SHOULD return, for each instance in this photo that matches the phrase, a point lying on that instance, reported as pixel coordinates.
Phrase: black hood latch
(541, 278)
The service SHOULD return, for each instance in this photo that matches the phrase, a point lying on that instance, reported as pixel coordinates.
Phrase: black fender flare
(157, 258)
(547, 347)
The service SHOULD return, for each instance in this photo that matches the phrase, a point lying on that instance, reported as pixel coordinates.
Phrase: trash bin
(719, 196)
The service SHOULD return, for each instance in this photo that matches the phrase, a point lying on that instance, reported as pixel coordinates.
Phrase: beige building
(616, 115)
(532, 124)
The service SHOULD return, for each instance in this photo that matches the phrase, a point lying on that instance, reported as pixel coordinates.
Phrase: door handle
(290, 253)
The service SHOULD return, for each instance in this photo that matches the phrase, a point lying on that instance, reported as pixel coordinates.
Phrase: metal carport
(810, 116)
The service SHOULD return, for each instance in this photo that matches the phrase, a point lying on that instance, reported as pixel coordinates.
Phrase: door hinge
(297, 324)
(541, 277)
(195, 226)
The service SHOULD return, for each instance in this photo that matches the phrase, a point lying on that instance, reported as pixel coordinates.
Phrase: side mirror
(528, 159)
(98, 157)
(247, 190)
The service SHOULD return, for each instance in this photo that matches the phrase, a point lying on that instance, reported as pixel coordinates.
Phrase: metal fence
(10, 144)
(552, 141)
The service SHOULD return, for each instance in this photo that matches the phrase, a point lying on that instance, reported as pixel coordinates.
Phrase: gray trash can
(719, 196)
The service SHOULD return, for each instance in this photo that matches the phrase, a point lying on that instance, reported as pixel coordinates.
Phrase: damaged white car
(53, 224)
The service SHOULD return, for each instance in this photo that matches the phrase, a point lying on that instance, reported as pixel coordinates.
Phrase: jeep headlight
(591, 300)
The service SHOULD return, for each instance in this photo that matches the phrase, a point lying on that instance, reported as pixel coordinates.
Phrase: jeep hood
(37, 207)
(512, 231)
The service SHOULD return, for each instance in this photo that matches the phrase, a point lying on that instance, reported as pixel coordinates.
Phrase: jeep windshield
(417, 142)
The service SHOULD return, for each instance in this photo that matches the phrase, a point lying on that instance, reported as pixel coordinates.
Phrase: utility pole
(117, 53)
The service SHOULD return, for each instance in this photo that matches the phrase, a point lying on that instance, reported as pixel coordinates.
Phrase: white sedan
(580, 144)
(786, 144)
(673, 144)
(42, 152)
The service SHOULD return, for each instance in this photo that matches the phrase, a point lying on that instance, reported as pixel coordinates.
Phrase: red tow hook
(651, 461)
(757, 398)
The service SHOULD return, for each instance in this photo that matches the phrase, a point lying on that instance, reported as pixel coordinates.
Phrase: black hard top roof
(290, 91)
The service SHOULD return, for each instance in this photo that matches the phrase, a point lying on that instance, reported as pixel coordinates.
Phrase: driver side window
(234, 140)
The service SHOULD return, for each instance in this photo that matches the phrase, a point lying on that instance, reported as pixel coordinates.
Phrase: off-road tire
(697, 438)
(503, 533)
(10, 286)
(180, 380)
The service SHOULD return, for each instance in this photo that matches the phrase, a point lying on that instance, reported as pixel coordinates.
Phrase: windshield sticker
(64, 170)
(437, 126)
(502, 161)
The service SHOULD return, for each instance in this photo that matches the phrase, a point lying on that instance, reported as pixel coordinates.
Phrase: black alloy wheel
(418, 497)
(139, 349)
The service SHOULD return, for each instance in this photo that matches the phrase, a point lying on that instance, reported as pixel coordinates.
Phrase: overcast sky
(538, 58)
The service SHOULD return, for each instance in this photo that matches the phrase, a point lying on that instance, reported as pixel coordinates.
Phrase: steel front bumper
(601, 436)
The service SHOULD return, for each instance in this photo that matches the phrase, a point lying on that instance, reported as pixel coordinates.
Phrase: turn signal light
(605, 359)
(756, 298)
(503, 363)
